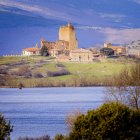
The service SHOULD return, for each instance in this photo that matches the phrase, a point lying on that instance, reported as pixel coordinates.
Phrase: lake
(40, 111)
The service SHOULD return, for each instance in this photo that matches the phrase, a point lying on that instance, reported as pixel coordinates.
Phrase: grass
(31, 59)
(46, 67)
(97, 69)
(9, 60)
(94, 72)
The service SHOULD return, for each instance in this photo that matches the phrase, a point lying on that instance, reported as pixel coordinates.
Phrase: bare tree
(125, 87)
(71, 118)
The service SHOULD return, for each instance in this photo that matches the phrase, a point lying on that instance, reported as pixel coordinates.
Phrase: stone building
(81, 55)
(134, 52)
(49, 45)
(117, 49)
(134, 49)
(31, 51)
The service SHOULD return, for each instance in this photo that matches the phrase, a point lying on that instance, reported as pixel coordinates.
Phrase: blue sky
(24, 22)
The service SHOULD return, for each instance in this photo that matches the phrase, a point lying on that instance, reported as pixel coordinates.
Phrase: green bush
(5, 128)
(107, 51)
(112, 121)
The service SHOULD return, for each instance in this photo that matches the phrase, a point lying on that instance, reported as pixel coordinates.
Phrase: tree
(5, 128)
(125, 87)
(107, 51)
(71, 118)
(44, 51)
(111, 121)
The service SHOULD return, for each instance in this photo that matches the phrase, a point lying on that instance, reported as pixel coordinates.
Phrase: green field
(88, 73)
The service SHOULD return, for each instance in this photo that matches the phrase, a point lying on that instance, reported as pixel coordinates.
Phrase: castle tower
(67, 33)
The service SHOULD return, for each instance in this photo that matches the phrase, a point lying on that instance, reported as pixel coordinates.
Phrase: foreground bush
(112, 121)
(5, 128)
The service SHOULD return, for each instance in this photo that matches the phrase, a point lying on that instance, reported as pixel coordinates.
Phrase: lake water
(40, 111)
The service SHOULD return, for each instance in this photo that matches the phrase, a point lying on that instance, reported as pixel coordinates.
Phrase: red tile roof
(31, 49)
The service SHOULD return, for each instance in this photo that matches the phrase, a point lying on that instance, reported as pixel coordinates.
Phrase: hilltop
(38, 71)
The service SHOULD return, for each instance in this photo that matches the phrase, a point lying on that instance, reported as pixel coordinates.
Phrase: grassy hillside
(45, 71)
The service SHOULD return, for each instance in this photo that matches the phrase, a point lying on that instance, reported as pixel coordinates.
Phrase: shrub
(3, 80)
(111, 121)
(3, 71)
(22, 71)
(5, 128)
(60, 65)
(20, 85)
(38, 75)
(28, 75)
(58, 73)
(107, 51)
(46, 137)
(60, 137)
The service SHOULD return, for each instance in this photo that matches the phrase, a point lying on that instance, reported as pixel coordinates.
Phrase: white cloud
(121, 36)
(36, 9)
(20, 5)
(88, 28)
(114, 17)
(137, 1)
(114, 35)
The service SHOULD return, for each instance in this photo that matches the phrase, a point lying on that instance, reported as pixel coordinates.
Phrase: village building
(81, 55)
(31, 51)
(63, 58)
(118, 50)
(66, 48)
(134, 49)
(134, 52)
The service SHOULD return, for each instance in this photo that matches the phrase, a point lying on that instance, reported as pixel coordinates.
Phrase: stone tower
(67, 33)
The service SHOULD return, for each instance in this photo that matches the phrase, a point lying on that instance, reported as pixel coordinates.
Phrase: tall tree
(107, 51)
(44, 51)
